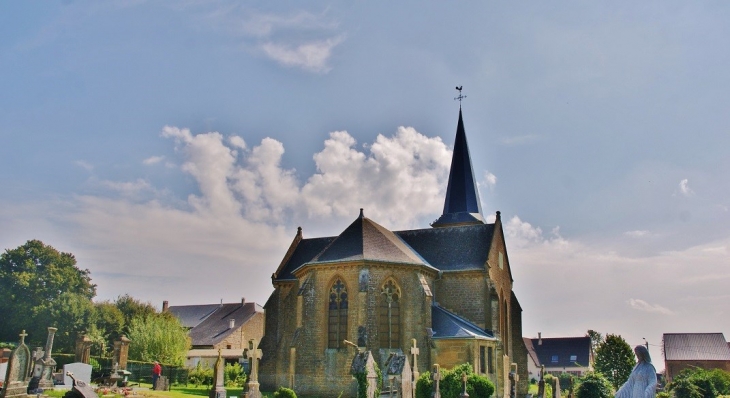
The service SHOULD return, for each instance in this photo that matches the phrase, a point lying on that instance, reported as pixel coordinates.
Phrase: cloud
(636, 233)
(127, 188)
(84, 165)
(311, 56)
(641, 305)
(684, 188)
(489, 180)
(153, 160)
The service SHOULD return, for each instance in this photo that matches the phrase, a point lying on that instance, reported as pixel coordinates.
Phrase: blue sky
(175, 146)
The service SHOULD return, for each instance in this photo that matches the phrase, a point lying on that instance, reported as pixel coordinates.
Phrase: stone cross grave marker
(81, 372)
(436, 381)
(218, 390)
(253, 354)
(513, 379)
(47, 364)
(15, 384)
(556, 387)
(541, 383)
(415, 351)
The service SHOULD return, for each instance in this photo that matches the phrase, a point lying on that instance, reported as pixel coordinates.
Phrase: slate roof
(462, 204)
(214, 328)
(452, 248)
(532, 355)
(365, 239)
(695, 347)
(564, 348)
(305, 251)
(192, 315)
(447, 325)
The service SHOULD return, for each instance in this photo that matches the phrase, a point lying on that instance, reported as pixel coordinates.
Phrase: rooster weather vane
(460, 97)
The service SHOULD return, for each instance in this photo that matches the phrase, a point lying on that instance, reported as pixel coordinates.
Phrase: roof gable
(452, 248)
(191, 316)
(215, 327)
(695, 346)
(447, 325)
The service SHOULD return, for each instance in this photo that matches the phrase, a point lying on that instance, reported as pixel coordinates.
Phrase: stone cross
(218, 390)
(541, 383)
(513, 379)
(23, 335)
(253, 354)
(415, 351)
(436, 381)
(48, 365)
(464, 394)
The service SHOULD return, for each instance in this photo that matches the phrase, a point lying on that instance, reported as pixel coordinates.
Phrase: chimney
(231, 323)
(165, 306)
(243, 301)
(539, 338)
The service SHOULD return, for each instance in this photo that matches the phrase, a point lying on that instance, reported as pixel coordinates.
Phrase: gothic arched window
(389, 329)
(337, 319)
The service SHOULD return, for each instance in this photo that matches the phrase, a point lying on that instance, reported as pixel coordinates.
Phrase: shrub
(451, 385)
(284, 392)
(483, 387)
(200, 375)
(233, 375)
(663, 394)
(684, 388)
(594, 385)
(424, 385)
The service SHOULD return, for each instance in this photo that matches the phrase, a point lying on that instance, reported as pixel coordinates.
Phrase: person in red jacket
(156, 372)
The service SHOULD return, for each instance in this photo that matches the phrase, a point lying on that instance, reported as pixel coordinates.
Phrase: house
(702, 350)
(444, 292)
(533, 362)
(570, 355)
(224, 326)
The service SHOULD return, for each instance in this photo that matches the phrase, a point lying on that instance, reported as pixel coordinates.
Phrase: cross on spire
(460, 97)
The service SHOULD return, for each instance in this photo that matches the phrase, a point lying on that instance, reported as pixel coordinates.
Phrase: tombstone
(15, 384)
(45, 366)
(436, 376)
(253, 354)
(541, 383)
(364, 363)
(81, 372)
(218, 390)
(415, 351)
(82, 353)
(121, 351)
(513, 379)
(556, 387)
(398, 370)
(80, 388)
(464, 394)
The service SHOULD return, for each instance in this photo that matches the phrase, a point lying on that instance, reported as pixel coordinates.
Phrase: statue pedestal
(252, 391)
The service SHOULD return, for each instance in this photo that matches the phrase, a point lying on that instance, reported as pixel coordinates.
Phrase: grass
(175, 392)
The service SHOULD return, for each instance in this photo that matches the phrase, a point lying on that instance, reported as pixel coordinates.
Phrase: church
(448, 287)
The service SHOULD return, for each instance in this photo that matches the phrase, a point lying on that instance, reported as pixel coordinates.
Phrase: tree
(132, 308)
(596, 340)
(158, 337)
(108, 323)
(615, 359)
(42, 287)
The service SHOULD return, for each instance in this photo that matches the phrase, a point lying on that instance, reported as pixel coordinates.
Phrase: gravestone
(80, 388)
(15, 384)
(436, 376)
(464, 394)
(364, 363)
(398, 371)
(513, 379)
(218, 390)
(253, 354)
(46, 365)
(3, 370)
(556, 387)
(81, 372)
(82, 353)
(163, 384)
(415, 351)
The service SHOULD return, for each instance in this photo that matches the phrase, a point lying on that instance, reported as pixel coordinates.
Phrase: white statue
(642, 380)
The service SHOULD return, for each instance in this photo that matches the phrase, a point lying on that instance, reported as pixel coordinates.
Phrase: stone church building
(449, 287)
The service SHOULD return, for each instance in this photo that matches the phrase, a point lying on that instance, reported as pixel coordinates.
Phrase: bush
(684, 388)
(663, 394)
(594, 385)
(451, 385)
(200, 375)
(233, 375)
(709, 383)
(483, 387)
(284, 392)
(424, 385)
(564, 379)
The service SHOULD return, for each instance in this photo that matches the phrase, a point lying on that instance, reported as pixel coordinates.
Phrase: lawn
(175, 392)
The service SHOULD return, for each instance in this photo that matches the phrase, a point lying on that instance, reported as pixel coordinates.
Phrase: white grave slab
(3, 370)
(81, 371)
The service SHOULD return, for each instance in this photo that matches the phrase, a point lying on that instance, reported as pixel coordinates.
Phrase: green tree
(158, 337)
(594, 385)
(684, 388)
(132, 308)
(596, 340)
(615, 359)
(43, 287)
(108, 321)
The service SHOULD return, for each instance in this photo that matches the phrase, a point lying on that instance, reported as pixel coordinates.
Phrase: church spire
(462, 205)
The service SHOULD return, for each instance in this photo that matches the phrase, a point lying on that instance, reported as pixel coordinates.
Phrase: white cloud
(237, 141)
(311, 56)
(128, 187)
(684, 188)
(153, 160)
(636, 233)
(489, 180)
(641, 305)
(84, 165)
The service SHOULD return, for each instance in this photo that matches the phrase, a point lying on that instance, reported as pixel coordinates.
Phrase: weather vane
(460, 97)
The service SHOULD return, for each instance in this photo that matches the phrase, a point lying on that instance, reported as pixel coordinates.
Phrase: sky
(174, 147)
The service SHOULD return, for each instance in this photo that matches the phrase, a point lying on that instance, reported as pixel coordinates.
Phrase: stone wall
(253, 328)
